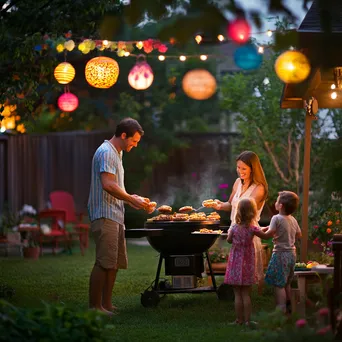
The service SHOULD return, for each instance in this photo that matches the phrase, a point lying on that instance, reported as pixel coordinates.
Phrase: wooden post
(306, 188)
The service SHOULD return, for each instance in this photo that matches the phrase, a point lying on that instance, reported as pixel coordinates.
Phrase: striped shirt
(100, 203)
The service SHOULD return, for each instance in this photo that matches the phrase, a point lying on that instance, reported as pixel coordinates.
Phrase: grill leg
(211, 271)
(156, 282)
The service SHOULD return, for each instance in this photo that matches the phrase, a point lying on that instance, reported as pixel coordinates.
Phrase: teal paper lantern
(247, 57)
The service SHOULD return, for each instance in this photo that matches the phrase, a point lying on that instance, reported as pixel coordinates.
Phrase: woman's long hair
(258, 176)
(246, 211)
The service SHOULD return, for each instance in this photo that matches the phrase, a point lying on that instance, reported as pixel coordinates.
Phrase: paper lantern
(292, 67)
(239, 31)
(102, 72)
(64, 73)
(141, 76)
(67, 102)
(247, 57)
(199, 84)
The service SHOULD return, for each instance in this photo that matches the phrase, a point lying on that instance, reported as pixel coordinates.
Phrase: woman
(250, 184)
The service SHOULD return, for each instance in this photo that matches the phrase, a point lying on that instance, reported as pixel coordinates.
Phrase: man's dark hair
(129, 126)
(289, 200)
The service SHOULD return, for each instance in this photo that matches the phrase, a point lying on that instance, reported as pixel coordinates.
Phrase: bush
(276, 327)
(52, 323)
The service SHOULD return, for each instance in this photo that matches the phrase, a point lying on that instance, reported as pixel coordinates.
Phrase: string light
(333, 86)
(105, 42)
(198, 39)
(127, 53)
(220, 37)
(203, 57)
(161, 58)
(182, 58)
(333, 95)
(269, 33)
(261, 49)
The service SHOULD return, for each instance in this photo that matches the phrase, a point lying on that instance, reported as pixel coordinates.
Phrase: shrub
(51, 323)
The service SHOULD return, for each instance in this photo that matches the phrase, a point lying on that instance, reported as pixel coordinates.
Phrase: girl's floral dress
(241, 262)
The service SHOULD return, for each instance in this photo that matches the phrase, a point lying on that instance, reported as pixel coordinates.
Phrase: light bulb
(220, 37)
(333, 95)
(182, 58)
(198, 39)
(261, 49)
(127, 53)
(333, 86)
(161, 58)
(269, 33)
(105, 42)
(203, 57)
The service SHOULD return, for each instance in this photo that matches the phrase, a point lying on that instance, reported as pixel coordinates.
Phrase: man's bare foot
(102, 309)
(111, 308)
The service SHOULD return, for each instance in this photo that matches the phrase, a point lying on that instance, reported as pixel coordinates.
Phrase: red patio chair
(58, 233)
(63, 200)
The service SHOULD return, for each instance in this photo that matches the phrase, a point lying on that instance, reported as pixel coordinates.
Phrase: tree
(275, 134)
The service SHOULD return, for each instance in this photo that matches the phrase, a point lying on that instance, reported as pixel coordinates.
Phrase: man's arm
(110, 185)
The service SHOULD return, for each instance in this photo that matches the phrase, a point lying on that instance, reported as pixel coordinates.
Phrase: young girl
(241, 271)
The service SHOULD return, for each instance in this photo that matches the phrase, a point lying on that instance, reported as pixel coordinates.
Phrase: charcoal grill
(183, 252)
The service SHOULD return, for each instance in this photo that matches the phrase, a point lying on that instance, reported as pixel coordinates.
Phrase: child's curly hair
(246, 211)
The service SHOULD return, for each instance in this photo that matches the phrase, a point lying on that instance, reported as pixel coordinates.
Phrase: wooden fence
(31, 166)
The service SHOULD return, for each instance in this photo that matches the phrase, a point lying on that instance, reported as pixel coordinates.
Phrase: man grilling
(106, 212)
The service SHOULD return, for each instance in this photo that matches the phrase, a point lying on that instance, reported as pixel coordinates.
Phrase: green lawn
(182, 317)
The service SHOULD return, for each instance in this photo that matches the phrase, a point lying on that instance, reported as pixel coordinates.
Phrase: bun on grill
(165, 209)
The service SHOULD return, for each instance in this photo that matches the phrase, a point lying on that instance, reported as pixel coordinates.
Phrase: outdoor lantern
(102, 72)
(239, 31)
(141, 76)
(292, 67)
(64, 73)
(247, 57)
(199, 84)
(67, 102)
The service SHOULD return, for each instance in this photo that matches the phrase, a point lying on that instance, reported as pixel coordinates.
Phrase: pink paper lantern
(67, 102)
(141, 76)
(239, 30)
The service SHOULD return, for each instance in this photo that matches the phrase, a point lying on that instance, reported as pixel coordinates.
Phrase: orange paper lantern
(199, 84)
(64, 73)
(102, 72)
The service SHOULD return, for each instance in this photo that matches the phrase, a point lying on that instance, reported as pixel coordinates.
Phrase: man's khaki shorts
(109, 237)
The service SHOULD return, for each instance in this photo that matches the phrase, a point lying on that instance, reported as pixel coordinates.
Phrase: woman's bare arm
(259, 194)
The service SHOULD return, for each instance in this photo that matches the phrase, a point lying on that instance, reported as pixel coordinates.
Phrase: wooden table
(302, 277)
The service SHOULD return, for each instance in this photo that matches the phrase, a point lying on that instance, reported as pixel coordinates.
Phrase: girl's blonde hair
(258, 176)
(246, 211)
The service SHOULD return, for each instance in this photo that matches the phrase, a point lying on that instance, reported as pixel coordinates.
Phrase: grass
(182, 317)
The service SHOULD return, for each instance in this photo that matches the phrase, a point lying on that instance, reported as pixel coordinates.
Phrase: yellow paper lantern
(141, 76)
(199, 84)
(102, 72)
(292, 67)
(64, 73)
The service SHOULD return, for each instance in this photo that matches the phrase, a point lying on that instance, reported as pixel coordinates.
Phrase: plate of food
(301, 266)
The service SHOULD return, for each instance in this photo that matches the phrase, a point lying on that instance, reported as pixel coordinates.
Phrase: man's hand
(138, 202)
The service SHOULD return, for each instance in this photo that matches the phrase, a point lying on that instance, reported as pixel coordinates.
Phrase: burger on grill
(165, 209)
(163, 217)
(214, 216)
(197, 217)
(186, 209)
(180, 217)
